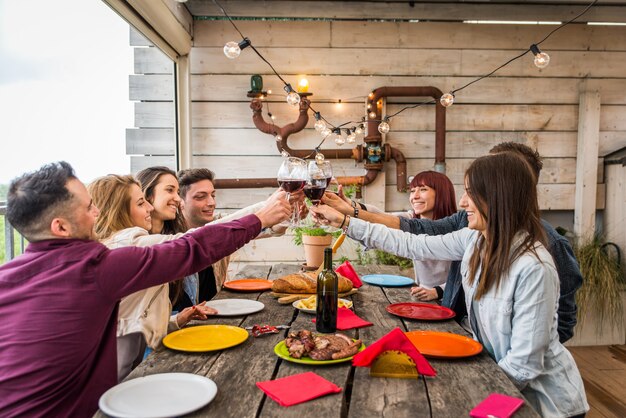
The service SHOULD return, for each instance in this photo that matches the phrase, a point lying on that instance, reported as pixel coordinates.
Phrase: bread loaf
(305, 283)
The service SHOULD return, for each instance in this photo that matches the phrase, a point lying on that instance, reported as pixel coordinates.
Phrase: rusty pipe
(411, 91)
(251, 183)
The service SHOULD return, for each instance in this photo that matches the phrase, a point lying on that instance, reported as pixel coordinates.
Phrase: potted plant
(603, 282)
(314, 239)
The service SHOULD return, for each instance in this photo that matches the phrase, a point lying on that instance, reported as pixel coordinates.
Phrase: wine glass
(292, 175)
(316, 182)
(331, 182)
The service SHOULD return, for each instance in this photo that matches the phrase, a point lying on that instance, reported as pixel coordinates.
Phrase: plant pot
(314, 249)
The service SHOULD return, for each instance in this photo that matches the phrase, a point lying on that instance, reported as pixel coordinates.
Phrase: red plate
(248, 285)
(444, 344)
(423, 311)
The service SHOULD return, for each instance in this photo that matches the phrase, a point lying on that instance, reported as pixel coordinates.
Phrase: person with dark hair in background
(197, 192)
(559, 247)
(59, 300)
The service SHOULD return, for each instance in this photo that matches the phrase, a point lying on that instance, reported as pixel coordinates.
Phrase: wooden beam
(431, 11)
(587, 162)
(183, 113)
(165, 23)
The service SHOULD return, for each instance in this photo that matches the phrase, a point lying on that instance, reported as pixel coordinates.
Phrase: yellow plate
(205, 338)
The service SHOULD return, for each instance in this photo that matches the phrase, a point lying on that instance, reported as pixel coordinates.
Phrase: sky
(64, 69)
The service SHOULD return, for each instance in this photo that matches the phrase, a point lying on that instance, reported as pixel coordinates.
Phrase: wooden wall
(347, 59)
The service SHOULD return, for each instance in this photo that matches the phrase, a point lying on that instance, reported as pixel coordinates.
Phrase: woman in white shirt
(510, 281)
(143, 317)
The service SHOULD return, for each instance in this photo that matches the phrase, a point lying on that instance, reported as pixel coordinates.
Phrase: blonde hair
(111, 194)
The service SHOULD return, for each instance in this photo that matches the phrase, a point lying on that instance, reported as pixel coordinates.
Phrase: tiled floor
(603, 369)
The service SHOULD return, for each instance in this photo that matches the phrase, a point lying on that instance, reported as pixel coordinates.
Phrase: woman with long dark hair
(510, 281)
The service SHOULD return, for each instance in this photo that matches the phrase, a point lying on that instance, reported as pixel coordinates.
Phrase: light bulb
(319, 157)
(325, 132)
(383, 127)
(359, 130)
(446, 100)
(273, 117)
(293, 98)
(542, 60)
(269, 92)
(339, 140)
(232, 50)
(278, 138)
(351, 139)
(285, 154)
(372, 115)
(319, 125)
(369, 106)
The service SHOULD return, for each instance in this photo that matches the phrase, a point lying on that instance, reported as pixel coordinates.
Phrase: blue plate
(388, 280)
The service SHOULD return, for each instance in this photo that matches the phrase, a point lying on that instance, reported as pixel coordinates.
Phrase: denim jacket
(519, 318)
(559, 247)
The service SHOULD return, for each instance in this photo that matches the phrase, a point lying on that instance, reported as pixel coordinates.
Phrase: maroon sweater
(58, 312)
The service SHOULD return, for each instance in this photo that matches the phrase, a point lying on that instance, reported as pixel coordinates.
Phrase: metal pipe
(410, 91)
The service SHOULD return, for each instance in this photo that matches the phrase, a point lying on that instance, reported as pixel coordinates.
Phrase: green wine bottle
(327, 282)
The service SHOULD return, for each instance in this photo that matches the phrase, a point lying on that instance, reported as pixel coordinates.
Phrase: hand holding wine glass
(292, 175)
(316, 182)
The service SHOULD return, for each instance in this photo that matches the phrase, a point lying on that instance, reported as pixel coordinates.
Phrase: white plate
(231, 307)
(295, 305)
(159, 396)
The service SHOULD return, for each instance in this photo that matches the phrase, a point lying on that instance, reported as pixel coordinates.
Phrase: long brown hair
(111, 194)
(149, 178)
(504, 191)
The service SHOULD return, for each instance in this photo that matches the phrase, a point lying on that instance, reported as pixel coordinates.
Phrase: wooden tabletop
(460, 384)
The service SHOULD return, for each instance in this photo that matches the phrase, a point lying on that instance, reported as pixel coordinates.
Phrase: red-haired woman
(432, 197)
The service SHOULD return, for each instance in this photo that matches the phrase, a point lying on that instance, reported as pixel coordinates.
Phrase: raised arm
(441, 226)
(345, 208)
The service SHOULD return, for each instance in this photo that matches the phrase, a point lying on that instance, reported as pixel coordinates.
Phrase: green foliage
(602, 283)
(350, 190)
(381, 257)
(311, 230)
(17, 241)
(4, 189)
(392, 259)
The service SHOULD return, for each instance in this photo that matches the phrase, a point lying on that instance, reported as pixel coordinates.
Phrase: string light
(351, 137)
(541, 58)
(383, 127)
(278, 138)
(233, 49)
(319, 123)
(339, 139)
(447, 100)
(319, 157)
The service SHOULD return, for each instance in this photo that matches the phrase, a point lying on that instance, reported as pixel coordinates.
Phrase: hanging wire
(407, 107)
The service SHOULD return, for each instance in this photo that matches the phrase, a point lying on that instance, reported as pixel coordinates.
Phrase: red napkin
(394, 340)
(298, 388)
(346, 319)
(497, 405)
(347, 271)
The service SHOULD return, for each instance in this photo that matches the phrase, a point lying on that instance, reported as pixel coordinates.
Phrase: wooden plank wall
(347, 59)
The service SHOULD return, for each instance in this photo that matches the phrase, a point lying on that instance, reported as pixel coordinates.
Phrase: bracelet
(356, 212)
(345, 227)
(343, 222)
(353, 203)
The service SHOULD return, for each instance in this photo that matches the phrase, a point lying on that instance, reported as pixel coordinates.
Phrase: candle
(303, 85)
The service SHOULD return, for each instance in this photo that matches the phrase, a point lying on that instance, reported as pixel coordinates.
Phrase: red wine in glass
(291, 186)
(314, 193)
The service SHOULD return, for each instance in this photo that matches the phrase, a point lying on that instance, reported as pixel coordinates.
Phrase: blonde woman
(143, 317)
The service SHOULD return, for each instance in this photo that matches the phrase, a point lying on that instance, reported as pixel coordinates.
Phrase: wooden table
(459, 385)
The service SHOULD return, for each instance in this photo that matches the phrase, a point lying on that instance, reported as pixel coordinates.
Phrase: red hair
(445, 198)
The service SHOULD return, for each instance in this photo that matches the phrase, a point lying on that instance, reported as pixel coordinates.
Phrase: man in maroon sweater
(59, 300)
